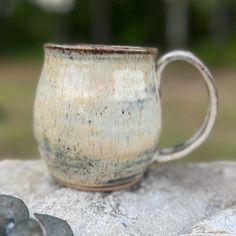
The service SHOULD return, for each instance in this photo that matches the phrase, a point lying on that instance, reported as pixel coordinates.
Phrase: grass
(184, 102)
(17, 87)
(184, 105)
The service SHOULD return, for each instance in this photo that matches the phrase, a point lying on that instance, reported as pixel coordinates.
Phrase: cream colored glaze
(97, 117)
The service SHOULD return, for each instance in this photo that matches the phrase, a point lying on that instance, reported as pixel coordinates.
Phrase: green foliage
(215, 53)
(206, 6)
(25, 26)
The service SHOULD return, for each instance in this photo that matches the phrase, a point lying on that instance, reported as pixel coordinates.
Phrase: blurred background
(205, 27)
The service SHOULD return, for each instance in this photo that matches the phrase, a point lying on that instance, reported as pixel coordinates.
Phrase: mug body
(97, 114)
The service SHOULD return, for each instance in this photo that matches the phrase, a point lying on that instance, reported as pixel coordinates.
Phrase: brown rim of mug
(101, 49)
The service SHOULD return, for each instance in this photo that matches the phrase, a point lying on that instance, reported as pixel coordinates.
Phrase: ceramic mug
(97, 114)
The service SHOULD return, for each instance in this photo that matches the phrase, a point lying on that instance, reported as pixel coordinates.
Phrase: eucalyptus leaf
(12, 211)
(28, 227)
(54, 226)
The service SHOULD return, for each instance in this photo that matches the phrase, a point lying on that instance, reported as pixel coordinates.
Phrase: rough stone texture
(223, 223)
(173, 199)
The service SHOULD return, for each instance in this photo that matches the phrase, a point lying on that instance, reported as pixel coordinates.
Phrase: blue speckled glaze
(96, 116)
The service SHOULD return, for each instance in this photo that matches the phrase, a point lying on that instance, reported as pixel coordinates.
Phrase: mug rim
(101, 49)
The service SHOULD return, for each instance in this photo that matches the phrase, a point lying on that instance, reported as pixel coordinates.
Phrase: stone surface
(223, 223)
(173, 199)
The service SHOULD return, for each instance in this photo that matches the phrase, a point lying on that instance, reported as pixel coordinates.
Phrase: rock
(222, 223)
(173, 199)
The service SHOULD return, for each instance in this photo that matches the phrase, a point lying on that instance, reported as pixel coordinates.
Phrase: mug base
(100, 188)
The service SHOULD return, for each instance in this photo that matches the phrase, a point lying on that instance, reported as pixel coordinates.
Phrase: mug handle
(180, 150)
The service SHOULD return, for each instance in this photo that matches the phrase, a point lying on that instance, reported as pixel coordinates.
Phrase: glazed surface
(97, 118)
(101, 49)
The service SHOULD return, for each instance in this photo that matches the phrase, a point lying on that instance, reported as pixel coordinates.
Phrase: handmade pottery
(97, 114)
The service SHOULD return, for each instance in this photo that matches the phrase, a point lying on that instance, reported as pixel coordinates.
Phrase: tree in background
(100, 17)
(26, 24)
(177, 23)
